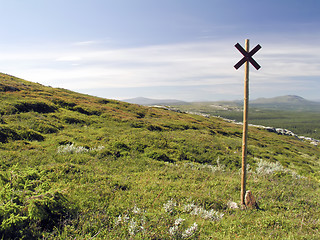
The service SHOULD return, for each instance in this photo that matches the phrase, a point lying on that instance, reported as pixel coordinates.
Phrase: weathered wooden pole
(247, 57)
(245, 127)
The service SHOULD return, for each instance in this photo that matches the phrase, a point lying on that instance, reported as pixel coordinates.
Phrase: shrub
(64, 104)
(7, 133)
(31, 135)
(73, 120)
(86, 111)
(160, 156)
(47, 129)
(154, 128)
(121, 146)
(28, 204)
(5, 88)
(39, 107)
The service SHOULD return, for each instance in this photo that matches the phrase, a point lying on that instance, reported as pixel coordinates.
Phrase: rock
(250, 201)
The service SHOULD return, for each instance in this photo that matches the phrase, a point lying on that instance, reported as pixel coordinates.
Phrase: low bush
(39, 107)
(29, 204)
(160, 155)
(30, 135)
(6, 134)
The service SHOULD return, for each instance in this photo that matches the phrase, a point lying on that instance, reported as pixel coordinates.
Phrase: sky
(168, 49)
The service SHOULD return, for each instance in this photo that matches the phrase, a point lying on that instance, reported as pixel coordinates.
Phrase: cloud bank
(203, 69)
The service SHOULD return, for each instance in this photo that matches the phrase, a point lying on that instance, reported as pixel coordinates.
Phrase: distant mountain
(285, 102)
(281, 99)
(149, 101)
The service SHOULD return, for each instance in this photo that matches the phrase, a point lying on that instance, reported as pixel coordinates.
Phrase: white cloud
(186, 64)
(86, 43)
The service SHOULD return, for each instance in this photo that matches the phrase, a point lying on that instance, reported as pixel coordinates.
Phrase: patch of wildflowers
(71, 148)
(267, 168)
(174, 230)
(189, 207)
(206, 167)
(136, 210)
(132, 227)
(121, 220)
(169, 206)
(195, 210)
(190, 231)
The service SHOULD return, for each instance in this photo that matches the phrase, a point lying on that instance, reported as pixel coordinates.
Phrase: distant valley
(289, 112)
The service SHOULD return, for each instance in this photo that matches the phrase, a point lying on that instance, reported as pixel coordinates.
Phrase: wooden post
(247, 57)
(245, 128)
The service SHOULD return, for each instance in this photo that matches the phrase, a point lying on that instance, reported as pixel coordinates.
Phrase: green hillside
(75, 166)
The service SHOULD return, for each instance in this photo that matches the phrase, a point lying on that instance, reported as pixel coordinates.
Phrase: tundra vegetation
(75, 166)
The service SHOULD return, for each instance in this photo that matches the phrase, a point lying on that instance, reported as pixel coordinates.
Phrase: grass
(104, 169)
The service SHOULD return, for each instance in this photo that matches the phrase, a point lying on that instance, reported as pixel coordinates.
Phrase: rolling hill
(150, 102)
(288, 102)
(74, 166)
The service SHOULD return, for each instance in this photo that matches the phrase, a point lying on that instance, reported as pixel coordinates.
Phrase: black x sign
(247, 56)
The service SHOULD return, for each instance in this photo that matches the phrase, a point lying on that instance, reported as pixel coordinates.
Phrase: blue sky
(181, 49)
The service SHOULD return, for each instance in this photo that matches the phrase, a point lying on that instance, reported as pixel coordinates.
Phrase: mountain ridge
(149, 101)
(282, 99)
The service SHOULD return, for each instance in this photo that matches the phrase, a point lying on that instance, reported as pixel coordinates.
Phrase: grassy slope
(127, 160)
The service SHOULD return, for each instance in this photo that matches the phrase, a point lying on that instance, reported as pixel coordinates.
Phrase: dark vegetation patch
(86, 111)
(137, 124)
(74, 107)
(39, 107)
(104, 101)
(30, 135)
(64, 104)
(5, 88)
(10, 134)
(7, 134)
(153, 127)
(160, 155)
(73, 120)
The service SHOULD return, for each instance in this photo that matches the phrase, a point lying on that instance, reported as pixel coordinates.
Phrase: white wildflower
(121, 219)
(136, 210)
(211, 215)
(266, 168)
(133, 227)
(118, 220)
(205, 214)
(189, 207)
(196, 211)
(99, 148)
(206, 167)
(169, 206)
(173, 231)
(178, 221)
(190, 231)
(71, 148)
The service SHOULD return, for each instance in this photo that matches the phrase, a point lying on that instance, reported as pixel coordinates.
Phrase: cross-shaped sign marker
(247, 56)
